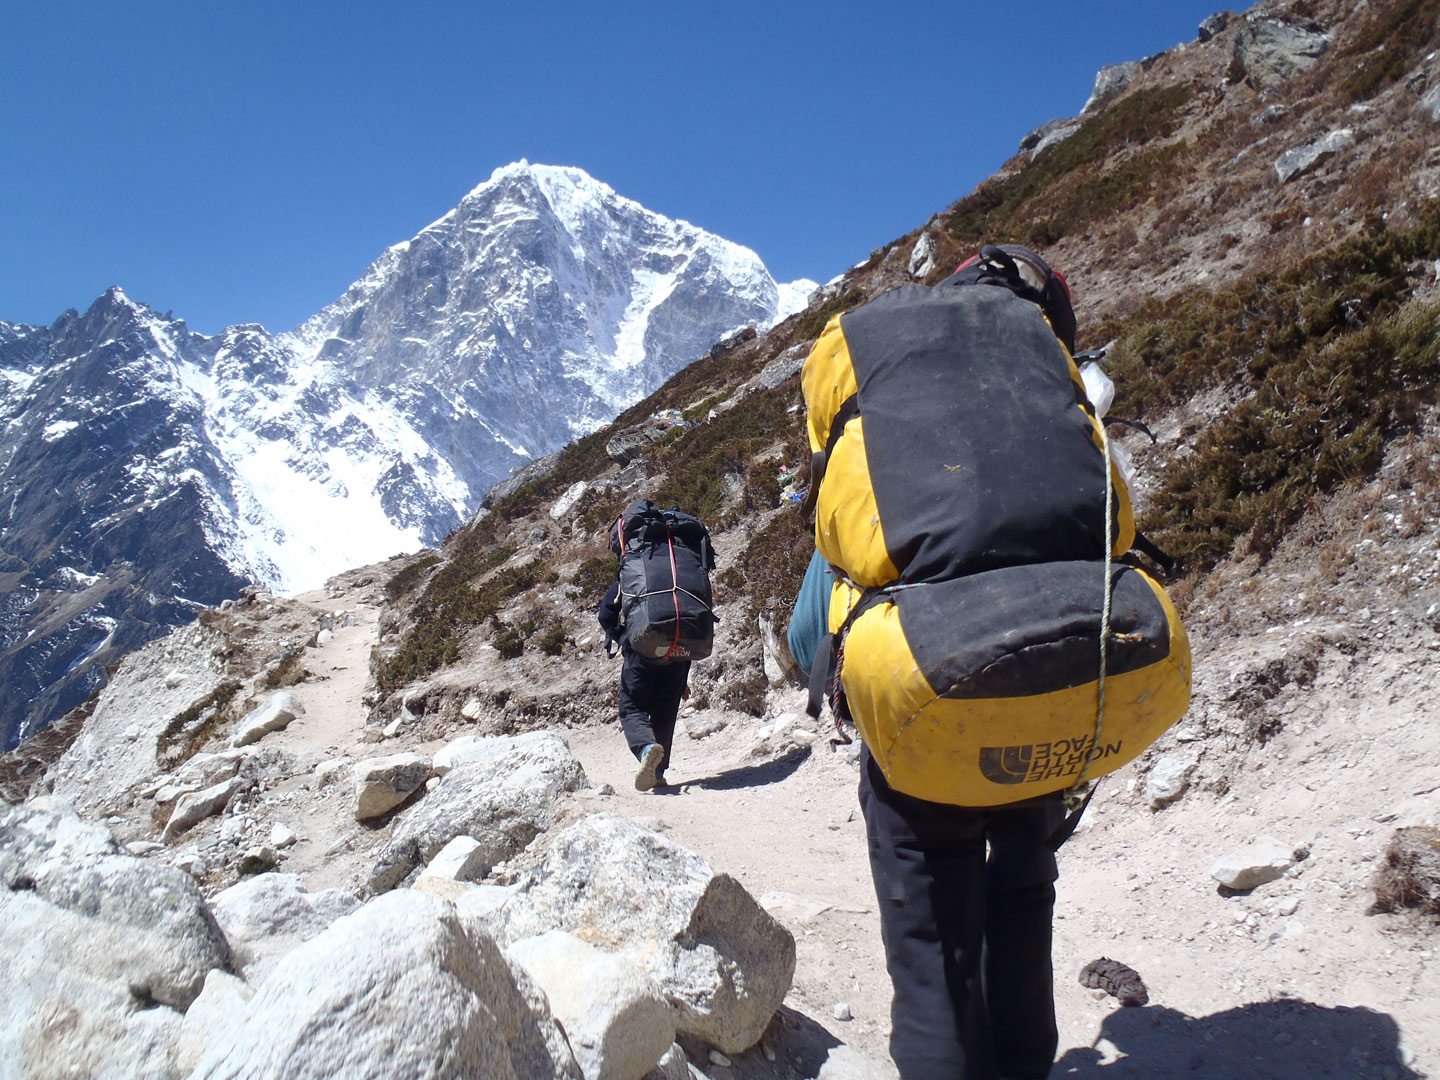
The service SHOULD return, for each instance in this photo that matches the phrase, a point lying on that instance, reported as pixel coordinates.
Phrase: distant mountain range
(147, 471)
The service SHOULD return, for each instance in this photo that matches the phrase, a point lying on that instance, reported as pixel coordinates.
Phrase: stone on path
(195, 807)
(723, 962)
(381, 784)
(618, 1024)
(1168, 779)
(1256, 864)
(275, 713)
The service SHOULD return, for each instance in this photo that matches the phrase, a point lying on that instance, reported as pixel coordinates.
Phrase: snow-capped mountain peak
(134, 450)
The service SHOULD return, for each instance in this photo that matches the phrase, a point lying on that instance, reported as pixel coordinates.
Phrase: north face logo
(1041, 761)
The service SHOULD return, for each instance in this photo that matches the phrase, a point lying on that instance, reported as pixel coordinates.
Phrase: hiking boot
(650, 759)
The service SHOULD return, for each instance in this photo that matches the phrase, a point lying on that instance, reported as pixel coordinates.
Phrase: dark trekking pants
(967, 940)
(649, 702)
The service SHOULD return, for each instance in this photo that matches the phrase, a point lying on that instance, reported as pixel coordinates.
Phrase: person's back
(658, 610)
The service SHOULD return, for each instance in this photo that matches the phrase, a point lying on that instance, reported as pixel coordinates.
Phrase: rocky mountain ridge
(149, 471)
(1267, 868)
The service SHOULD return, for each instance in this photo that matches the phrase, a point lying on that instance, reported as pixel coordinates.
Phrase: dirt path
(1292, 980)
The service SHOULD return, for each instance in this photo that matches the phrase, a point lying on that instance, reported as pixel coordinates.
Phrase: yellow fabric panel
(848, 530)
(930, 747)
(827, 379)
(843, 596)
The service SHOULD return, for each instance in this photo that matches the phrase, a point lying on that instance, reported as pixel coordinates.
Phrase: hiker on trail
(658, 612)
(983, 634)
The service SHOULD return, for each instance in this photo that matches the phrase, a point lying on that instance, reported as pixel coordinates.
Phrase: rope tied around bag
(1075, 795)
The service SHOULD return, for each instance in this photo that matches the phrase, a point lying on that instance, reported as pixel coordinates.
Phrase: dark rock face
(108, 500)
(1270, 51)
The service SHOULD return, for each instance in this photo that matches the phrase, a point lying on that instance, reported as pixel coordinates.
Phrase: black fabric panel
(1030, 630)
(978, 456)
(655, 598)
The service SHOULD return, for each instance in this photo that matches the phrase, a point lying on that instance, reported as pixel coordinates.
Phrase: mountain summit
(148, 471)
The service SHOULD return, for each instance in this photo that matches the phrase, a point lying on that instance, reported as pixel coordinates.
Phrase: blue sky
(245, 161)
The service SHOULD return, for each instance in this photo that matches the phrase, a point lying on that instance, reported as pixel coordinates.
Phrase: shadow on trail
(1285, 1039)
(799, 1046)
(770, 772)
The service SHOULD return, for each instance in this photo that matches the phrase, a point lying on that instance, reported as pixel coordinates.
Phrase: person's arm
(609, 614)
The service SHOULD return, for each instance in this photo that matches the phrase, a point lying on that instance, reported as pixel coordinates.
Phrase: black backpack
(665, 564)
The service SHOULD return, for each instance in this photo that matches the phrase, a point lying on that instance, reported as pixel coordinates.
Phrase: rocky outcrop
(267, 915)
(381, 784)
(1110, 83)
(399, 988)
(1302, 159)
(632, 442)
(103, 950)
(275, 714)
(1212, 25)
(503, 796)
(922, 256)
(723, 962)
(617, 1022)
(1269, 51)
(1429, 104)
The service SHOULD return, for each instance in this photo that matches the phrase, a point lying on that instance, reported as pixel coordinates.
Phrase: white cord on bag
(1076, 792)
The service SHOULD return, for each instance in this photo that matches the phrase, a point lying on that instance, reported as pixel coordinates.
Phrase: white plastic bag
(1101, 391)
(1098, 387)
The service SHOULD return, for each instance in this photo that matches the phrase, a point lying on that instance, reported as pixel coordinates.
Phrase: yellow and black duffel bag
(960, 487)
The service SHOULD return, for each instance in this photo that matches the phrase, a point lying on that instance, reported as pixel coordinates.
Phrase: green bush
(552, 640)
(1066, 186)
(1330, 362)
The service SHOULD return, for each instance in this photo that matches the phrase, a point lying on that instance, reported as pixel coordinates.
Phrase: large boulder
(618, 1023)
(102, 950)
(503, 793)
(721, 960)
(381, 784)
(211, 1018)
(1111, 82)
(267, 915)
(1270, 51)
(194, 807)
(399, 988)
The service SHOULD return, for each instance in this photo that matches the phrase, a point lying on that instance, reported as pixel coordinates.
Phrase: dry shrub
(1409, 873)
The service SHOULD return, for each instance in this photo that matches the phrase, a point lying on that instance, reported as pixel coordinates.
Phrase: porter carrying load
(986, 637)
(665, 564)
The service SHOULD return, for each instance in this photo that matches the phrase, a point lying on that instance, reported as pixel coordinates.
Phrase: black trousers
(967, 938)
(649, 702)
